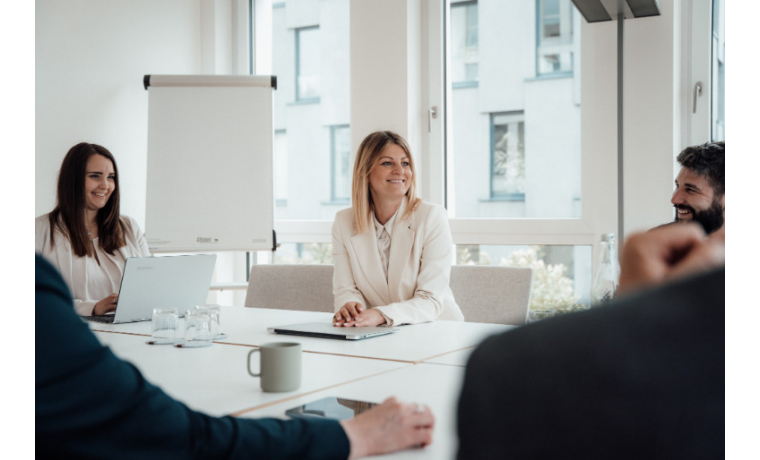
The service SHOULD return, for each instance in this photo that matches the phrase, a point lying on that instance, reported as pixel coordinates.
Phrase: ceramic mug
(280, 368)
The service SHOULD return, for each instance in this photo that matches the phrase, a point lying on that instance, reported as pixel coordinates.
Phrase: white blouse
(89, 281)
(383, 241)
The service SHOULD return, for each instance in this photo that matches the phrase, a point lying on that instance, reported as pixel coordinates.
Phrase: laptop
(180, 282)
(328, 331)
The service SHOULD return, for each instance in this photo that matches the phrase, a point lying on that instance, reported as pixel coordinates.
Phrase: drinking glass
(214, 313)
(197, 329)
(164, 326)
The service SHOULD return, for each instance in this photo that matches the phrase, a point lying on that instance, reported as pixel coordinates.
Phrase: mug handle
(249, 362)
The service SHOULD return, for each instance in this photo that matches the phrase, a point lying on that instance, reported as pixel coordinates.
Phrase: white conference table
(412, 343)
(434, 385)
(422, 363)
(215, 380)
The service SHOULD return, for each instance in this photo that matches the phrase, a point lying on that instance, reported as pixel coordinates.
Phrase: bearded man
(700, 193)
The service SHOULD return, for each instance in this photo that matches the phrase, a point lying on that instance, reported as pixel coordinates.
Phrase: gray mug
(280, 366)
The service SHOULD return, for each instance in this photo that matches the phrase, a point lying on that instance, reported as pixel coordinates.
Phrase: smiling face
(390, 176)
(99, 182)
(695, 200)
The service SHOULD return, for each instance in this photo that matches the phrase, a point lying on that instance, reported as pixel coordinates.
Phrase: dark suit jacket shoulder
(91, 404)
(640, 378)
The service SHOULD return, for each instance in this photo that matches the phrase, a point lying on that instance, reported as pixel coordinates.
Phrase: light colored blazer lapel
(365, 245)
(401, 247)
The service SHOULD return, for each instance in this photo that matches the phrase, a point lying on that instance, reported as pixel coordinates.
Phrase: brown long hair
(69, 212)
(369, 150)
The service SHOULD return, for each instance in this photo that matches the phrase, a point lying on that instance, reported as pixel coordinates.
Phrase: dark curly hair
(707, 160)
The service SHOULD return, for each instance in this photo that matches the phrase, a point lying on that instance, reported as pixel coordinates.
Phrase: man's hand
(105, 305)
(667, 253)
(389, 427)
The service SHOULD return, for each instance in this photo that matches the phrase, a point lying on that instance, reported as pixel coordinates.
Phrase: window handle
(697, 92)
(432, 113)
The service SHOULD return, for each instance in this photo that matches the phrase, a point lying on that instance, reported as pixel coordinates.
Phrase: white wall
(651, 117)
(379, 69)
(90, 59)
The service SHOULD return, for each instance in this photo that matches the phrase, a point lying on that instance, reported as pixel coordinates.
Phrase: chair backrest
(485, 294)
(492, 294)
(291, 287)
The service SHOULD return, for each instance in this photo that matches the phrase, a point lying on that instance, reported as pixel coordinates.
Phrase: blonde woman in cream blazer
(392, 251)
(85, 237)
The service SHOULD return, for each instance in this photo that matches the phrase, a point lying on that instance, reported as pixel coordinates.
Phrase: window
(308, 48)
(554, 44)
(464, 42)
(508, 156)
(515, 143)
(561, 273)
(303, 253)
(340, 140)
(718, 131)
(513, 185)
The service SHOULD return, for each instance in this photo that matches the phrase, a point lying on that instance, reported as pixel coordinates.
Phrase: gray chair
(291, 287)
(498, 295)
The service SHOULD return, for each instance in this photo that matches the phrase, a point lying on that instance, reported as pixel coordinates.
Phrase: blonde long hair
(369, 150)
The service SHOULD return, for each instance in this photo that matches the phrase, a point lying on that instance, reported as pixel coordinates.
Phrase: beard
(711, 219)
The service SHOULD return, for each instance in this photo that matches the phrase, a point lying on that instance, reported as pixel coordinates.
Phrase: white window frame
(427, 91)
(696, 42)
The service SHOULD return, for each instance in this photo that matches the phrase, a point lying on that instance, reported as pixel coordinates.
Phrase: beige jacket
(78, 272)
(417, 289)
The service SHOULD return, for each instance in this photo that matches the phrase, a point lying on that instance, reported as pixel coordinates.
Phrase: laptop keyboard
(101, 318)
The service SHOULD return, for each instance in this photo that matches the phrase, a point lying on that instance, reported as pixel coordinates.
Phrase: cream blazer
(74, 268)
(419, 265)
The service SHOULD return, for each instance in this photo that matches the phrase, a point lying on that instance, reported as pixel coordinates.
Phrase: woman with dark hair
(392, 251)
(85, 237)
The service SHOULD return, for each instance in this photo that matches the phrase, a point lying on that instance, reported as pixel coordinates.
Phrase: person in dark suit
(640, 378)
(91, 404)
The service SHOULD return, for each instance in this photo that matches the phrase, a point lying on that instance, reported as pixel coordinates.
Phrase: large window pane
(516, 132)
(561, 274)
(310, 57)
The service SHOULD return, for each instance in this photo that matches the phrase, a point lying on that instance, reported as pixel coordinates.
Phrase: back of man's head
(707, 160)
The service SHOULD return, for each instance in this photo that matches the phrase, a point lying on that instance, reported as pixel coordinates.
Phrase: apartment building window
(307, 64)
(464, 43)
(554, 41)
(508, 156)
(340, 142)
